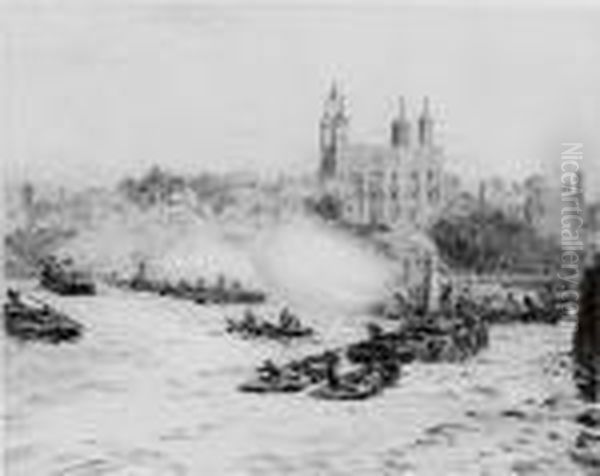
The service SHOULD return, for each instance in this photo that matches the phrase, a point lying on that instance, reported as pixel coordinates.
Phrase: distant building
(508, 197)
(463, 205)
(383, 184)
(542, 204)
(536, 197)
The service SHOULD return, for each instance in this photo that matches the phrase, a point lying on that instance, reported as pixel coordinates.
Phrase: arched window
(416, 185)
(434, 195)
(413, 215)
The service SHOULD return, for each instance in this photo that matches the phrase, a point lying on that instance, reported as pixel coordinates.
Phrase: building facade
(382, 184)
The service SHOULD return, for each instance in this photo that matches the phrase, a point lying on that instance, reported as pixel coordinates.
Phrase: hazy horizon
(98, 92)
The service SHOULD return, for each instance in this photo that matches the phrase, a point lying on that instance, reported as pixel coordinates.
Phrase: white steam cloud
(315, 266)
(306, 263)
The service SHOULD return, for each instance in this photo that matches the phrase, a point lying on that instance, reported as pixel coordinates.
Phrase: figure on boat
(273, 379)
(61, 277)
(221, 292)
(288, 326)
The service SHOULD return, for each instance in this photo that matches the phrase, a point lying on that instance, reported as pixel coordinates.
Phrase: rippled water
(150, 390)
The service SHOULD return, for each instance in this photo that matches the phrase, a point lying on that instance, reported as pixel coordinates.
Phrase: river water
(151, 390)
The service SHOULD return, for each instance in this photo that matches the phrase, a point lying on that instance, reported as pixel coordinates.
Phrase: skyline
(96, 93)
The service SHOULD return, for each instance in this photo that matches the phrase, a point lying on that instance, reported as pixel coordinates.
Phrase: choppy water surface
(150, 390)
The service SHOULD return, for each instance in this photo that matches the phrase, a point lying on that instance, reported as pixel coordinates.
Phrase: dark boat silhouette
(62, 278)
(263, 328)
(37, 321)
(355, 385)
(221, 292)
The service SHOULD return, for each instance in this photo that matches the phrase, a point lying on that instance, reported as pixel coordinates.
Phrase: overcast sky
(98, 92)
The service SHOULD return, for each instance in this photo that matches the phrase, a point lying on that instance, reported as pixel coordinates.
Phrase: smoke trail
(172, 251)
(317, 267)
(312, 267)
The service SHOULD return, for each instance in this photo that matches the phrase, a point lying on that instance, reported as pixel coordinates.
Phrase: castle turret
(400, 130)
(27, 202)
(426, 125)
(333, 132)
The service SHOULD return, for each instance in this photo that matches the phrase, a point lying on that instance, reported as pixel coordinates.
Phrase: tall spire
(426, 125)
(335, 104)
(401, 126)
(402, 108)
(333, 92)
(333, 130)
(426, 111)
(341, 103)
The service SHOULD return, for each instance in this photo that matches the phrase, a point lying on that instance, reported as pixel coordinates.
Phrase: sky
(96, 91)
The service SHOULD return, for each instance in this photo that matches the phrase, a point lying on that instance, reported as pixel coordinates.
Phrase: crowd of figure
(364, 368)
(288, 326)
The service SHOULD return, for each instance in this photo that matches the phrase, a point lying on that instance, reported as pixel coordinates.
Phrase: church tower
(400, 130)
(425, 125)
(333, 132)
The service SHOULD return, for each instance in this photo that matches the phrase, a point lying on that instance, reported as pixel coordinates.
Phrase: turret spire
(426, 125)
(333, 130)
(401, 108)
(401, 126)
(426, 111)
(333, 92)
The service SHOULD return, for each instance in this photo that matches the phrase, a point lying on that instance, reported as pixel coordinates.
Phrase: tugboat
(223, 293)
(250, 326)
(61, 278)
(355, 385)
(201, 293)
(272, 379)
(366, 381)
(38, 321)
(294, 376)
(537, 307)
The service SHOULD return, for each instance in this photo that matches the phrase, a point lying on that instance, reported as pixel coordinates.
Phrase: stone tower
(400, 130)
(333, 132)
(426, 125)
